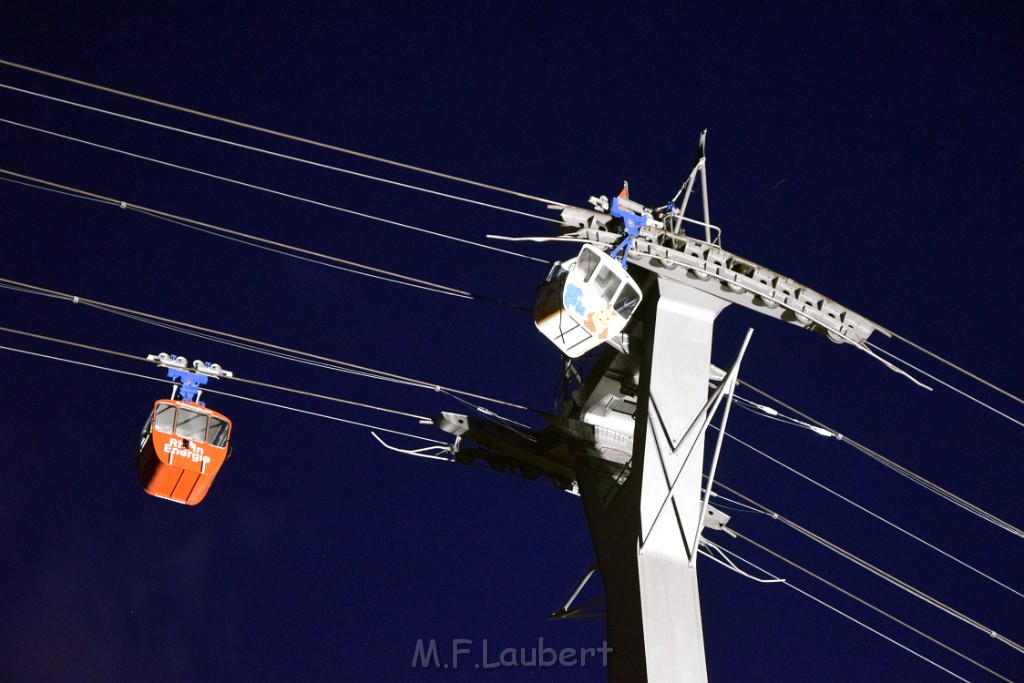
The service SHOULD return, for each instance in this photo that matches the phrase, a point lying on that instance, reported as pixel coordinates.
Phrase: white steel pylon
(646, 531)
(631, 438)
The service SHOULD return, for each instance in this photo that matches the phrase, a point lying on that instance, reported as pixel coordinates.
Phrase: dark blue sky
(874, 154)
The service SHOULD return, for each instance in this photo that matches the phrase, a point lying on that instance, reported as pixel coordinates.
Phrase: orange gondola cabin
(184, 444)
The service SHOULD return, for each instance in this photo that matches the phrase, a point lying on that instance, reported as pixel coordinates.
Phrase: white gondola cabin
(585, 301)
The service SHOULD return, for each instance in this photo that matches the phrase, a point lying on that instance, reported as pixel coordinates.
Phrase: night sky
(872, 153)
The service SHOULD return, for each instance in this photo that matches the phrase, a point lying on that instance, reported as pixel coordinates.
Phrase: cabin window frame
(159, 411)
(626, 300)
(606, 283)
(588, 262)
(218, 438)
(189, 432)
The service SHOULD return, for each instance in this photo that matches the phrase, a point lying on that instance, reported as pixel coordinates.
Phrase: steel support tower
(631, 437)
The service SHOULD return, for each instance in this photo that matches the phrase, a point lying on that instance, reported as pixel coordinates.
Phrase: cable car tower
(630, 438)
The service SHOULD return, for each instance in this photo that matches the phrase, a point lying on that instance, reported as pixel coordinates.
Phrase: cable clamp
(124, 204)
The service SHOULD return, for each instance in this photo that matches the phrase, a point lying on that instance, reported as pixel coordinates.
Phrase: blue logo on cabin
(573, 299)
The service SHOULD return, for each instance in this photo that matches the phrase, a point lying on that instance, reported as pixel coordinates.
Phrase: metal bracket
(568, 611)
(724, 560)
(189, 382)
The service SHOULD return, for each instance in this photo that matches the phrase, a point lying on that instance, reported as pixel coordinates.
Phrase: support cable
(224, 393)
(242, 380)
(950, 386)
(68, 192)
(899, 469)
(216, 335)
(277, 193)
(774, 415)
(732, 505)
(279, 155)
(254, 348)
(882, 574)
(268, 131)
(378, 159)
(872, 514)
(261, 243)
(257, 242)
(241, 237)
(862, 602)
(959, 369)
